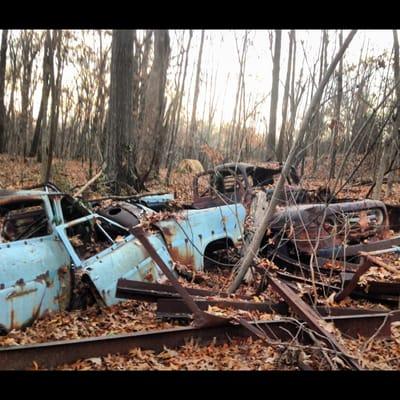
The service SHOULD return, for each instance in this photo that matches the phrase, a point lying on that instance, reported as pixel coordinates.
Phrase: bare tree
(42, 115)
(193, 122)
(153, 132)
(55, 85)
(120, 119)
(276, 57)
(236, 113)
(3, 52)
(177, 116)
(30, 48)
(396, 123)
(285, 101)
(336, 122)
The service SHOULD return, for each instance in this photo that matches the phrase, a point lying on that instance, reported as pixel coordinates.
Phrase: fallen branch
(87, 184)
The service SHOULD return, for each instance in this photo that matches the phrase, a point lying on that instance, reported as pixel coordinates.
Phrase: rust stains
(16, 293)
(183, 256)
(169, 231)
(44, 278)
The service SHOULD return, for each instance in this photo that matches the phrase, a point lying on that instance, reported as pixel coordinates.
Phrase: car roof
(25, 193)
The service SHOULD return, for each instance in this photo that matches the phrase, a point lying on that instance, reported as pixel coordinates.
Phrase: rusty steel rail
(352, 322)
(172, 307)
(146, 291)
(366, 325)
(51, 354)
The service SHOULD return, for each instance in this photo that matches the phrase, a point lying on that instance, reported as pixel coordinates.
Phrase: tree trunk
(396, 123)
(293, 105)
(120, 120)
(270, 151)
(381, 168)
(41, 118)
(152, 134)
(193, 122)
(3, 52)
(232, 132)
(55, 85)
(10, 135)
(336, 123)
(176, 124)
(319, 116)
(29, 50)
(279, 150)
(254, 246)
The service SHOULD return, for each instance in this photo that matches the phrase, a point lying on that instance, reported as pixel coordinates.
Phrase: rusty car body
(56, 250)
(302, 212)
(308, 227)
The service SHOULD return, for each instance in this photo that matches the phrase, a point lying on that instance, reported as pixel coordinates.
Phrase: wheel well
(212, 247)
(3, 330)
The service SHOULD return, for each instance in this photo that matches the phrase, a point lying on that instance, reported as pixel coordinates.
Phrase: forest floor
(133, 316)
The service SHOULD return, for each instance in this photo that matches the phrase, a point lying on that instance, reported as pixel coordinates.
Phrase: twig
(87, 184)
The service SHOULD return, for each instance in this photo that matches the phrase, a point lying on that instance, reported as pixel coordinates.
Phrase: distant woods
(136, 102)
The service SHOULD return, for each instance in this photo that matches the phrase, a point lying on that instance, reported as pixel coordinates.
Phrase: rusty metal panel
(327, 226)
(192, 231)
(34, 279)
(128, 260)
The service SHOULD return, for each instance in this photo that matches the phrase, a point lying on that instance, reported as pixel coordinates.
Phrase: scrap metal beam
(366, 325)
(347, 251)
(128, 289)
(352, 284)
(313, 320)
(377, 291)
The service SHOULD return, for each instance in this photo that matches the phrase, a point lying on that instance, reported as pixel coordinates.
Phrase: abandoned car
(51, 245)
(309, 228)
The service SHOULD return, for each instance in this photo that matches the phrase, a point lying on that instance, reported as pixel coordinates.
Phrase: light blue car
(54, 251)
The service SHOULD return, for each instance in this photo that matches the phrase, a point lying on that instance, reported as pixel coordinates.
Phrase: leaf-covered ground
(133, 316)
